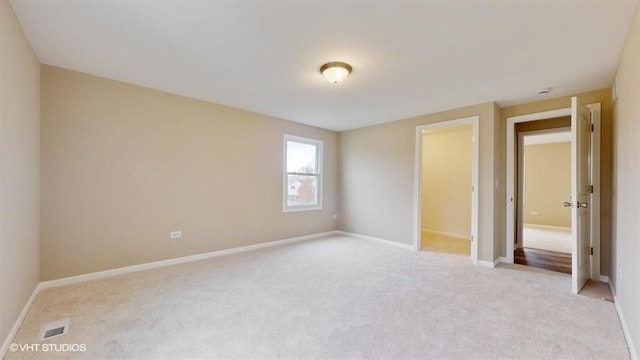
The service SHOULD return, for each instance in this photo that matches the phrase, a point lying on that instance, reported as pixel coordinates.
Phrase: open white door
(580, 194)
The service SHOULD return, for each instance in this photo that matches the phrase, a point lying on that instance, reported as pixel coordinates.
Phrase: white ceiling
(409, 57)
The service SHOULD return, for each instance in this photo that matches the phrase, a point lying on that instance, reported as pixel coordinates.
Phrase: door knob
(578, 204)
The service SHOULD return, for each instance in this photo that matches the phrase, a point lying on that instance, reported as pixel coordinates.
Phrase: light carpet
(336, 297)
(547, 238)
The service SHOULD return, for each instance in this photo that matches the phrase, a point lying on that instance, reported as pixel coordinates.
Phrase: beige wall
(626, 194)
(547, 182)
(122, 166)
(19, 169)
(377, 176)
(446, 180)
(602, 96)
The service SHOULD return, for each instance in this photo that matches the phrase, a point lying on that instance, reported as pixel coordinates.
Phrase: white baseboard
(550, 227)
(487, 264)
(175, 261)
(378, 240)
(447, 234)
(492, 264)
(605, 279)
(14, 330)
(136, 268)
(623, 323)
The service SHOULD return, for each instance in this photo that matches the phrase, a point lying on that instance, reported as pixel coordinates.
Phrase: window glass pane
(301, 157)
(302, 190)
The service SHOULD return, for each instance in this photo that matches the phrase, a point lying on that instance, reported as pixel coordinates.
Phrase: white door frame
(595, 179)
(417, 184)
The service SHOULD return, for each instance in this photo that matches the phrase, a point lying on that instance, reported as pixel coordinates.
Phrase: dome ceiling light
(335, 71)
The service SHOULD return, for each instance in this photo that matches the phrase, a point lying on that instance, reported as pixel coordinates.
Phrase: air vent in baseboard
(54, 329)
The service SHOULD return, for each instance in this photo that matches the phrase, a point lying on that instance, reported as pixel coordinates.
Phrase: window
(302, 178)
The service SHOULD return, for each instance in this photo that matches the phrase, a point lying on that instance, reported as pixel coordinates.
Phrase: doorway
(543, 238)
(446, 189)
(585, 188)
(446, 183)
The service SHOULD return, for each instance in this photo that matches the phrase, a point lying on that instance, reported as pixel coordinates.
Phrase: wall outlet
(334, 216)
(175, 234)
(619, 271)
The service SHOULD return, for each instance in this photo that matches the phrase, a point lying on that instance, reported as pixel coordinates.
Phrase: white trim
(551, 137)
(487, 264)
(550, 114)
(491, 265)
(550, 227)
(510, 179)
(447, 234)
(623, 323)
(148, 266)
(16, 325)
(175, 261)
(417, 182)
(510, 195)
(604, 279)
(595, 181)
(375, 239)
(285, 183)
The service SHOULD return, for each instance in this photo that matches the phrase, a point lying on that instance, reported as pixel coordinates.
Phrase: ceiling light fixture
(335, 71)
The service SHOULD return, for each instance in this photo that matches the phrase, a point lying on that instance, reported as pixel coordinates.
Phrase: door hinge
(591, 250)
(592, 128)
(591, 189)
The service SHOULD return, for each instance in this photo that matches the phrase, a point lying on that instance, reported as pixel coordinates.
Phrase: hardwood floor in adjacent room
(545, 259)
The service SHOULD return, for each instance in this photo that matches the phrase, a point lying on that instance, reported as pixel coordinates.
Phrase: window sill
(302, 208)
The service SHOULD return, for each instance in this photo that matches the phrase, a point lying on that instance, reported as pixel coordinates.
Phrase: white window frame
(318, 144)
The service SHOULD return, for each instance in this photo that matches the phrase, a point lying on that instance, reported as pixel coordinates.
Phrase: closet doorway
(446, 204)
